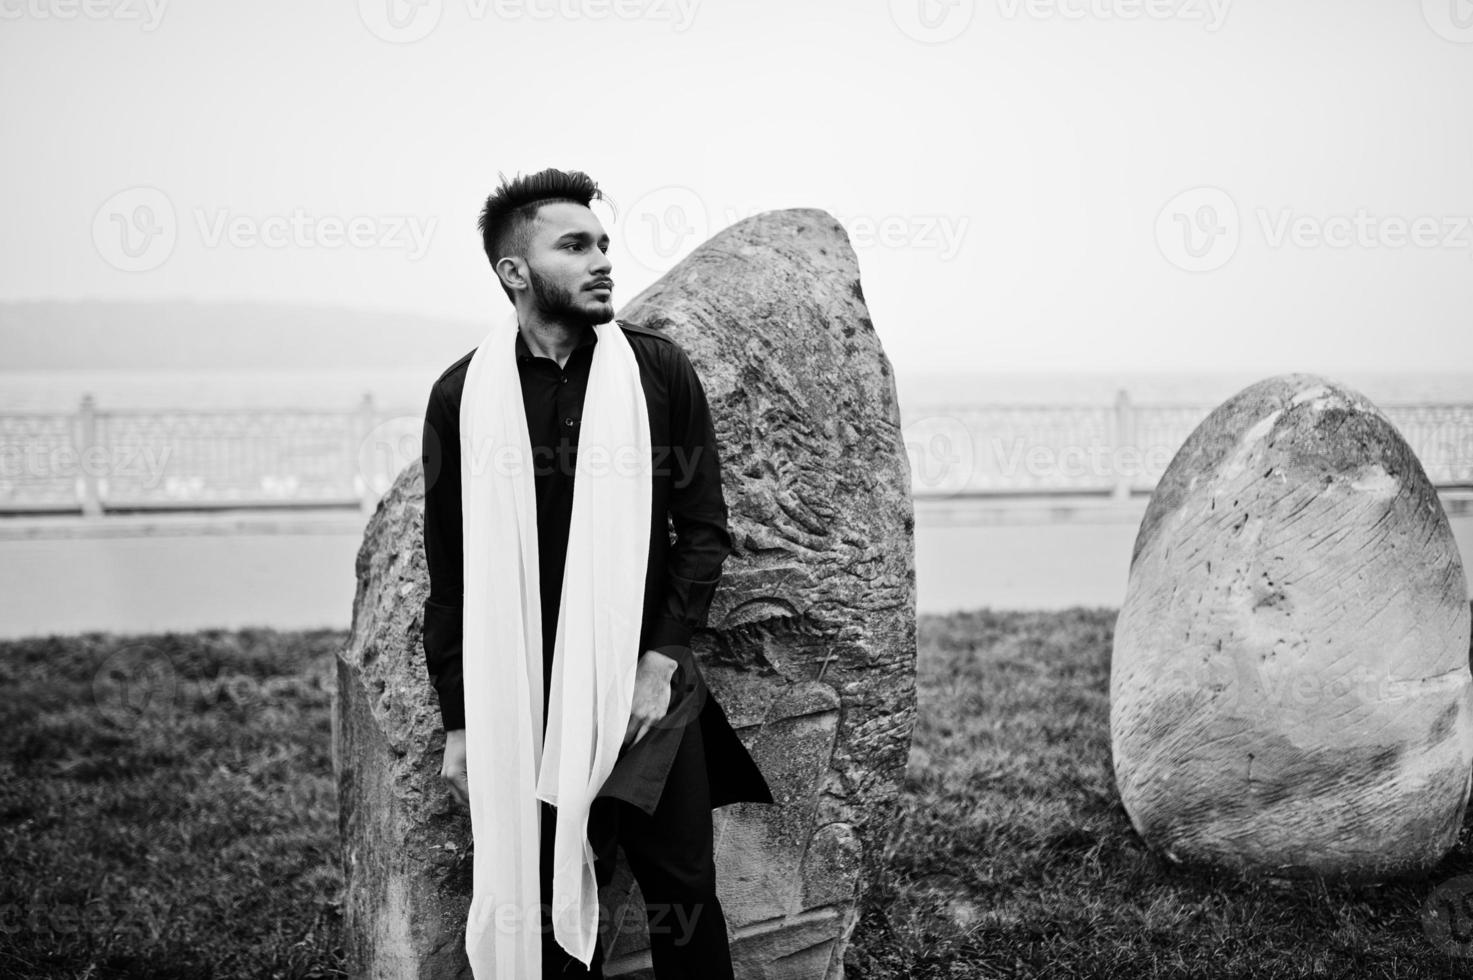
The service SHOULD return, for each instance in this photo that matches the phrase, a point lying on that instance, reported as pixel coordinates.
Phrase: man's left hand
(651, 694)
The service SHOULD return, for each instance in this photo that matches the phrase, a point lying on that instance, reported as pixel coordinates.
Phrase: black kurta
(680, 579)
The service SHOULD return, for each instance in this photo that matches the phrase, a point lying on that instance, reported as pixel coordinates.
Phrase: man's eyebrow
(579, 236)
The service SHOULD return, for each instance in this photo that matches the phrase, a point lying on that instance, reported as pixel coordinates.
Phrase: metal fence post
(87, 489)
(367, 499)
(1124, 436)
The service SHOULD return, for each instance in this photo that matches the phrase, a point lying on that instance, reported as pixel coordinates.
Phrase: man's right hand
(452, 769)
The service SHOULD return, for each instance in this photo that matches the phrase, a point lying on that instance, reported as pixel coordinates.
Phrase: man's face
(568, 266)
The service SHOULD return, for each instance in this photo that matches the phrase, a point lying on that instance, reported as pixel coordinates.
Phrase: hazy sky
(1030, 184)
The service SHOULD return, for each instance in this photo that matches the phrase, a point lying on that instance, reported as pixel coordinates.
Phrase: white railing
(95, 461)
(1117, 450)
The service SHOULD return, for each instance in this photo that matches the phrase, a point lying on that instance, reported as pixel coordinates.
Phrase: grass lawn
(1015, 858)
(167, 807)
(167, 811)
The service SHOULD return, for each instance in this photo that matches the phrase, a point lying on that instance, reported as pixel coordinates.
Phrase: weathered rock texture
(810, 645)
(1290, 690)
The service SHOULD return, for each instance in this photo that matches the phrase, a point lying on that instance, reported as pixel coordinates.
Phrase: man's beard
(555, 304)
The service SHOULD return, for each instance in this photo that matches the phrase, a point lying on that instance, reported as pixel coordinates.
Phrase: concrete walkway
(294, 569)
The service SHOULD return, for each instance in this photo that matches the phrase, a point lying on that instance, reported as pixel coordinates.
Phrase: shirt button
(567, 421)
(564, 379)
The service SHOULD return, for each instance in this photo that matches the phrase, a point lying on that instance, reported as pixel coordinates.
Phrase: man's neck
(550, 338)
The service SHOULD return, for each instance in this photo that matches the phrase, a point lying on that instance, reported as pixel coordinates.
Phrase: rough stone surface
(1290, 690)
(809, 646)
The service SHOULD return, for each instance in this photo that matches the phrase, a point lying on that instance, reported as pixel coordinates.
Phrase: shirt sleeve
(697, 510)
(443, 619)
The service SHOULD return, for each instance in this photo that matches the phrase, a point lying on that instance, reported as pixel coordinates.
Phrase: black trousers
(670, 854)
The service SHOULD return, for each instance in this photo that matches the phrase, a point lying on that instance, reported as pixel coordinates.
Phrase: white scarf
(595, 657)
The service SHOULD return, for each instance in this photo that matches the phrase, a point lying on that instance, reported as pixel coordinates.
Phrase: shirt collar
(524, 353)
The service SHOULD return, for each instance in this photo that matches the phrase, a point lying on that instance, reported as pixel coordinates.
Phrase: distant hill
(171, 335)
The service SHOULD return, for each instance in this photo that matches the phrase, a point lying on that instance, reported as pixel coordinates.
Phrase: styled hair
(510, 210)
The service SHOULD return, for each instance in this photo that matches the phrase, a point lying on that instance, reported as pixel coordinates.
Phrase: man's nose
(601, 262)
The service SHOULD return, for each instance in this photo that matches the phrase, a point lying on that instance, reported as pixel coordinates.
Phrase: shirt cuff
(452, 704)
(669, 632)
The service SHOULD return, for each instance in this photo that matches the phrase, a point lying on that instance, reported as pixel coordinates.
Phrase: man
(678, 756)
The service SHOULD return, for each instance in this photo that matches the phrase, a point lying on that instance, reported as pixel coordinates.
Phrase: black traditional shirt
(681, 576)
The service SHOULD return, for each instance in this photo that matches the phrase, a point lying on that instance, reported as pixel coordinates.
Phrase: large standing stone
(810, 645)
(1290, 688)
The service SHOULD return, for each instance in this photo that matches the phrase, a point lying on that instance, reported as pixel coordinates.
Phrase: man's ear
(512, 272)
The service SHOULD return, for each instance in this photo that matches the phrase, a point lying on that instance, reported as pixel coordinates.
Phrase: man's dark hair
(507, 218)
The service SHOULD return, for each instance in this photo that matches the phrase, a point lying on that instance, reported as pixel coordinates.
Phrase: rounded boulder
(1289, 683)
